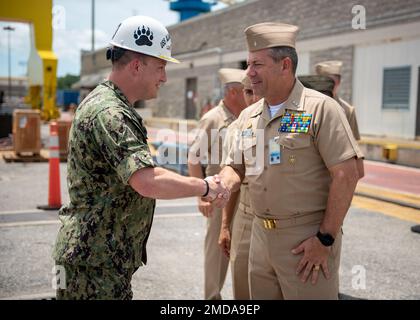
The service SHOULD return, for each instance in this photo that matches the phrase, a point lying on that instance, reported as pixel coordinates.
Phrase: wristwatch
(325, 238)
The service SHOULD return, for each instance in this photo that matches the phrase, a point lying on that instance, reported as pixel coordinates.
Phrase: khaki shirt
(212, 129)
(350, 112)
(299, 184)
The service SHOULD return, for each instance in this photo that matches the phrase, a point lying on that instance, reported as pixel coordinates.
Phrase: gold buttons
(269, 223)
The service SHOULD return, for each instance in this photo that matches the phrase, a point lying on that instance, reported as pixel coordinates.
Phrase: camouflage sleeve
(122, 143)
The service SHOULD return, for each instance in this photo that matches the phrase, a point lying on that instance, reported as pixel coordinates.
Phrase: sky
(72, 30)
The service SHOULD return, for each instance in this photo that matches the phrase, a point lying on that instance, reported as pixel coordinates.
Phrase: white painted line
(392, 166)
(28, 223)
(35, 296)
(166, 205)
(27, 211)
(377, 188)
(177, 215)
(50, 222)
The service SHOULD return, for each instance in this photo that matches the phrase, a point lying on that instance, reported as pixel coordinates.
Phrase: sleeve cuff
(344, 157)
(132, 163)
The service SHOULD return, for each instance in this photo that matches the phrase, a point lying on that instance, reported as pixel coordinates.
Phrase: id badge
(247, 132)
(274, 152)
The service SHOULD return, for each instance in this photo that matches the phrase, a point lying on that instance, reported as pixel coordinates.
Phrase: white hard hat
(145, 35)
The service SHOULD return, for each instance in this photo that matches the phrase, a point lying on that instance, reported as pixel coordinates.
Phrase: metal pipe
(9, 29)
(93, 25)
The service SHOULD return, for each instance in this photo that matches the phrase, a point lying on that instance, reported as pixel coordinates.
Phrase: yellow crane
(42, 64)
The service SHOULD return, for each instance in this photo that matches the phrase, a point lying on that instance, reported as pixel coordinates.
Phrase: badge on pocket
(274, 155)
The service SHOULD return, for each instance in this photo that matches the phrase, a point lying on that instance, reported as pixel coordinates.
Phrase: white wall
(303, 68)
(369, 63)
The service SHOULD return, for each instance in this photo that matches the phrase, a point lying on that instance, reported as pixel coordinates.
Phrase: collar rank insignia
(295, 122)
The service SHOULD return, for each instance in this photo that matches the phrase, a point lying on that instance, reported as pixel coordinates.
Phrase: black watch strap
(325, 238)
(207, 189)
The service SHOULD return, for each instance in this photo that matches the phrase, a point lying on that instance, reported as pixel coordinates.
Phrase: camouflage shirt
(106, 223)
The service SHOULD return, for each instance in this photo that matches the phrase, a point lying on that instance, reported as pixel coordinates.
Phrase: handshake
(218, 193)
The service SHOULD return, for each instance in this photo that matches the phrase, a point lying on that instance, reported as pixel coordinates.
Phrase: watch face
(325, 238)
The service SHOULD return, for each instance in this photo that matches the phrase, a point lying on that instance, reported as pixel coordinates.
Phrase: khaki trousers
(272, 266)
(215, 261)
(239, 247)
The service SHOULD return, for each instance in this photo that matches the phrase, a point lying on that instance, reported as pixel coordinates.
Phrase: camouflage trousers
(95, 283)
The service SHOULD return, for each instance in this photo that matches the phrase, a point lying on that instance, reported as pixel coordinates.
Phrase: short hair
(231, 85)
(279, 53)
(121, 57)
(335, 77)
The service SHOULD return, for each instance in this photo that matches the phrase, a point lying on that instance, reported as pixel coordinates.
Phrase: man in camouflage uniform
(111, 175)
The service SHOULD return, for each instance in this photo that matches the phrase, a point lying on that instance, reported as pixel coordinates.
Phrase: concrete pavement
(379, 257)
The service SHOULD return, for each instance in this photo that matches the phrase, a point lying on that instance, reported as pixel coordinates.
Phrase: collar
(126, 103)
(227, 115)
(259, 108)
(295, 101)
(118, 92)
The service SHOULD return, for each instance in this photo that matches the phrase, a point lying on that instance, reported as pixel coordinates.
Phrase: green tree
(67, 81)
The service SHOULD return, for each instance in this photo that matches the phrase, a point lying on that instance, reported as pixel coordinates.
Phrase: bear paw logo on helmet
(143, 37)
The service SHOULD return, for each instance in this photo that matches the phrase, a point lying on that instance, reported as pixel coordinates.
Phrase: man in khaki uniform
(299, 155)
(332, 69)
(209, 140)
(236, 244)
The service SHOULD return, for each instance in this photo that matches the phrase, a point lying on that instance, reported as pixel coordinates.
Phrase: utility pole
(93, 25)
(93, 33)
(9, 29)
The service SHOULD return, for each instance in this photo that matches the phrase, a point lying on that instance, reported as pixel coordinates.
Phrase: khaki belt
(270, 223)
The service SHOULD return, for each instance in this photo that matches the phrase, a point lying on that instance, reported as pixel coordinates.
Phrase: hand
(224, 241)
(206, 208)
(315, 256)
(218, 193)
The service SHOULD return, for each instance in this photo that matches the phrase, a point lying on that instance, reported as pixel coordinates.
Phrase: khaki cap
(329, 67)
(228, 75)
(247, 83)
(270, 34)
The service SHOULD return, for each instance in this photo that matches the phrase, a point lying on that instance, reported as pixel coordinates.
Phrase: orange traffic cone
(54, 192)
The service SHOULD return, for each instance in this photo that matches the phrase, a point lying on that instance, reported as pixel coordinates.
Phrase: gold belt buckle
(269, 223)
